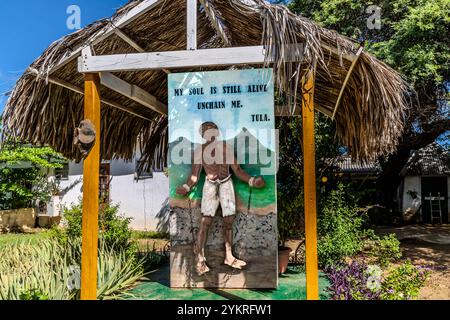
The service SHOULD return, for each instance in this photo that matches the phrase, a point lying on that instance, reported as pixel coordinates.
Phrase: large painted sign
(222, 169)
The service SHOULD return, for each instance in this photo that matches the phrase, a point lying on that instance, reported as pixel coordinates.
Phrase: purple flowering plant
(350, 282)
(359, 281)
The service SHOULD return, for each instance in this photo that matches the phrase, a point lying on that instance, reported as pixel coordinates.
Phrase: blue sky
(27, 27)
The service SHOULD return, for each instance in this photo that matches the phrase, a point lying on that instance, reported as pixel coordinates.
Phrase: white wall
(142, 200)
(414, 184)
(411, 183)
(75, 183)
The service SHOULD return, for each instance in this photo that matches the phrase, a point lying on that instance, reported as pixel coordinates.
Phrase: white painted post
(191, 18)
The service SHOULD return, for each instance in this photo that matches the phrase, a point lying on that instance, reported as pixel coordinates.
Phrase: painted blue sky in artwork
(184, 111)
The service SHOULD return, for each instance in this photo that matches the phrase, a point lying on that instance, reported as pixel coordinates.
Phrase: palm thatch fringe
(369, 119)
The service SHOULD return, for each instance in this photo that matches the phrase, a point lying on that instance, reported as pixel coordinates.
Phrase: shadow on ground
(292, 286)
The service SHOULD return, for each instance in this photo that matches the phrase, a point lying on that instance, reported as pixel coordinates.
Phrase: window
(105, 183)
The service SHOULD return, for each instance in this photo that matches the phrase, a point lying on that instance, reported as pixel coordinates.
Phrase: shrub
(340, 229)
(358, 281)
(117, 272)
(21, 185)
(33, 295)
(113, 227)
(290, 216)
(152, 259)
(385, 249)
(404, 282)
(352, 282)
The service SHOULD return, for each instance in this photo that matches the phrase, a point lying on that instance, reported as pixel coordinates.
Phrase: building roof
(431, 160)
(345, 164)
(47, 101)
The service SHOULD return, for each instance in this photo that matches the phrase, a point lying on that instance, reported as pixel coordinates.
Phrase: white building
(144, 199)
(425, 188)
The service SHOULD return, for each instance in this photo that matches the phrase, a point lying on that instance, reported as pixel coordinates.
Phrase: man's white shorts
(215, 194)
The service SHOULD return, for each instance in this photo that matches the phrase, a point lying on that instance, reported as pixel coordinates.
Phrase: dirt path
(436, 256)
(427, 245)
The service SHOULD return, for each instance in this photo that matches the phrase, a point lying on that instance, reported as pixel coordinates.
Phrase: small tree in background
(23, 176)
(290, 174)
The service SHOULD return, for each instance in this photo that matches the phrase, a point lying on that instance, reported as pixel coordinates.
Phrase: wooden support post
(89, 257)
(309, 153)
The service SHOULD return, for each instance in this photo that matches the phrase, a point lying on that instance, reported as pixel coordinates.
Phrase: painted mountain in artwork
(260, 201)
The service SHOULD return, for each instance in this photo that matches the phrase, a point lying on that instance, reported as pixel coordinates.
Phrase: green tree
(413, 39)
(290, 173)
(22, 173)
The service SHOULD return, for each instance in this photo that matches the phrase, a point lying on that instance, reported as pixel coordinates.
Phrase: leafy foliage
(412, 40)
(340, 228)
(150, 235)
(358, 281)
(152, 258)
(349, 282)
(33, 295)
(385, 249)
(404, 282)
(22, 174)
(342, 232)
(113, 227)
(290, 174)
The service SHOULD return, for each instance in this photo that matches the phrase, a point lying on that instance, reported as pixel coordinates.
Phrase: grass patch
(20, 238)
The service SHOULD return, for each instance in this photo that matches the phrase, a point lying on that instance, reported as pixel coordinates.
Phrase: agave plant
(26, 268)
(117, 272)
(48, 271)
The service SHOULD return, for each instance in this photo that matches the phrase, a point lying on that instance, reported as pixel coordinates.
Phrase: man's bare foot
(235, 263)
(201, 267)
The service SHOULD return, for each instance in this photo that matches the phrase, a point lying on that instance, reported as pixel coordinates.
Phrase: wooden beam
(130, 16)
(133, 44)
(87, 51)
(91, 175)
(179, 59)
(128, 40)
(71, 87)
(309, 154)
(133, 92)
(191, 24)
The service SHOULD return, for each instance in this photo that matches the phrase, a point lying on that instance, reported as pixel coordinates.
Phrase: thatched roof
(369, 116)
(431, 160)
